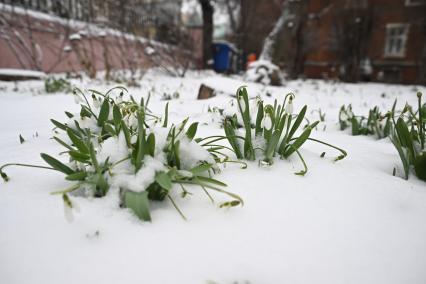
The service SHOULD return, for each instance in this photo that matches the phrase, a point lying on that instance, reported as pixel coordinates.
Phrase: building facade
(372, 40)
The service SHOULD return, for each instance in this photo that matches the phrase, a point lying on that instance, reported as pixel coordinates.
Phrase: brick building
(377, 40)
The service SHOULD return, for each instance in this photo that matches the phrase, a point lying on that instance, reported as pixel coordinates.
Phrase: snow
(82, 27)
(75, 36)
(191, 153)
(142, 179)
(344, 222)
(21, 73)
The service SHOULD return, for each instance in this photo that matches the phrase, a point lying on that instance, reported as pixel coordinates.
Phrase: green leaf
(200, 169)
(299, 141)
(259, 119)
(21, 139)
(176, 154)
(192, 130)
(272, 145)
(77, 176)
(138, 202)
(355, 127)
(101, 188)
(420, 166)
(141, 142)
(230, 135)
(57, 165)
(69, 115)
(164, 180)
(78, 143)
(116, 113)
(150, 141)
(78, 156)
(58, 124)
(110, 129)
(166, 115)
(126, 132)
(63, 143)
(103, 113)
(211, 180)
(402, 155)
(297, 122)
(405, 137)
(93, 157)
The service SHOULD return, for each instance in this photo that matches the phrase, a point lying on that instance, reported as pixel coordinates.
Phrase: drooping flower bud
(4, 176)
(343, 116)
(289, 106)
(267, 122)
(68, 208)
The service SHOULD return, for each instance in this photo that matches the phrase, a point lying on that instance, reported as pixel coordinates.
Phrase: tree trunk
(207, 10)
(270, 44)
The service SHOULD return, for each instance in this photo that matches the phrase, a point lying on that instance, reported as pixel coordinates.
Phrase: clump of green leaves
(408, 137)
(275, 125)
(53, 85)
(376, 123)
(107, 119)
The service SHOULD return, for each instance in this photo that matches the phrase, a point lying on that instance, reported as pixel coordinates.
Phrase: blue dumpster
(223, 56)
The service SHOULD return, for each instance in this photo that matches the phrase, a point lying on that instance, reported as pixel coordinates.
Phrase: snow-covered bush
(269, 129)
(117, 145)
(265, 72)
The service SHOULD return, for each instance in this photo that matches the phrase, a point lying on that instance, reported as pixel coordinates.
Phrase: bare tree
(351, 36)
(207, 11)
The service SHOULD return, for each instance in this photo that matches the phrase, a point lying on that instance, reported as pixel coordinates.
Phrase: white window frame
(415, 2)
(403, 38)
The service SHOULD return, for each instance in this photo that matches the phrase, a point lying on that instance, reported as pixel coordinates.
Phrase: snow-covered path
(344, 222)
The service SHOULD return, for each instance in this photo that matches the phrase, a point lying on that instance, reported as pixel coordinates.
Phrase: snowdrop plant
(118, 145)
(375, 124)
(410, 143)
(273, 132)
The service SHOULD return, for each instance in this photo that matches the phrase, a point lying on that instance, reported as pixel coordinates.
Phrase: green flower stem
(26, 165)
(87, 102)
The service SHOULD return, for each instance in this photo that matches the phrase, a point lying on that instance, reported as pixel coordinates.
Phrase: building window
(415, 2)
(396, 39)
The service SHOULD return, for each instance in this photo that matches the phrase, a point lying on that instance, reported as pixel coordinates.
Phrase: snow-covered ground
(344, 222)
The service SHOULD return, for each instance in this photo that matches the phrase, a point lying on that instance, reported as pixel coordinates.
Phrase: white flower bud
(289, 107)
(267, 122)
(96, 103)
(343, 116)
